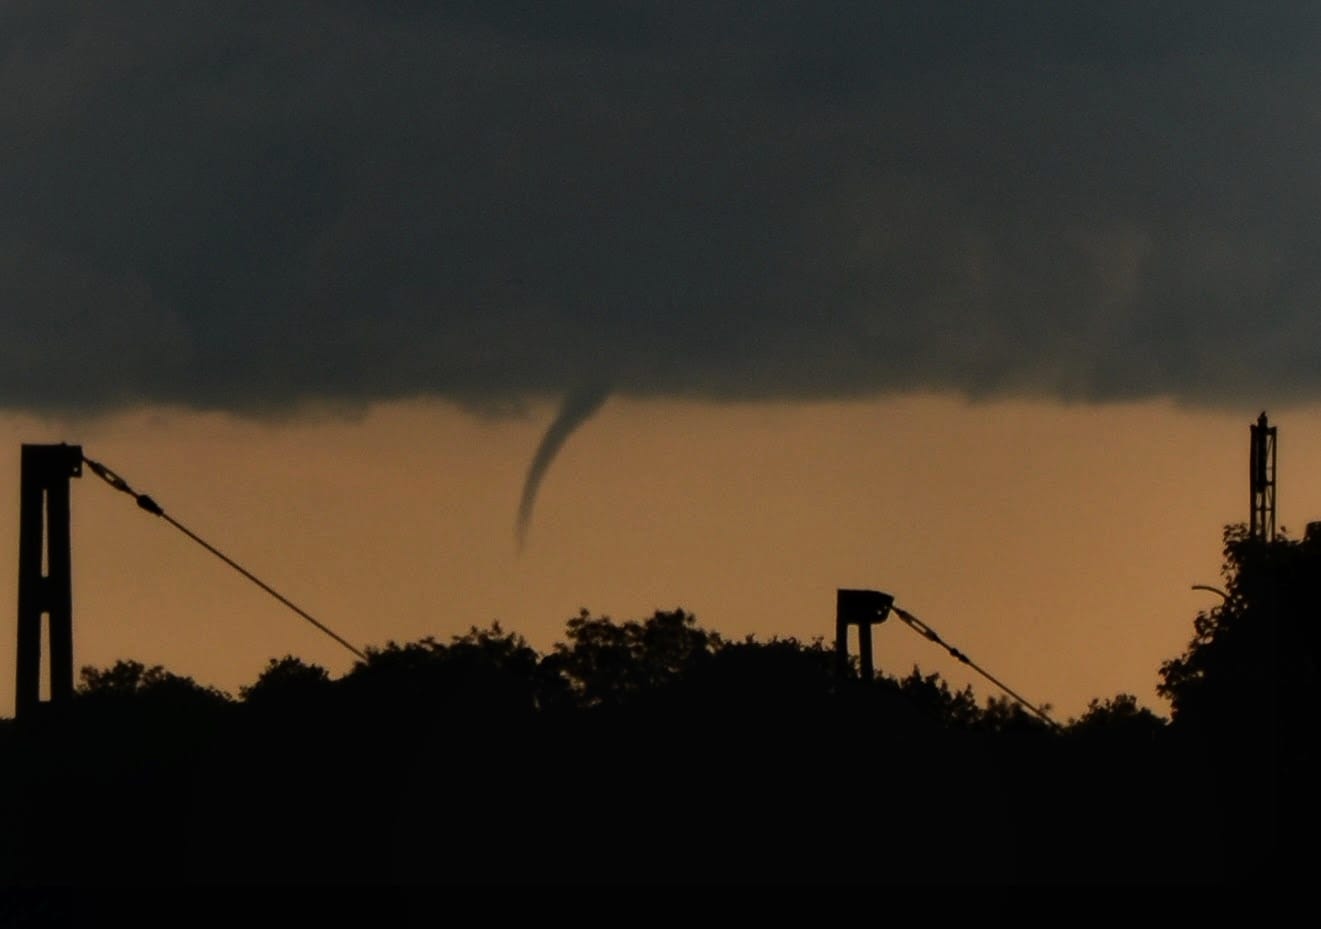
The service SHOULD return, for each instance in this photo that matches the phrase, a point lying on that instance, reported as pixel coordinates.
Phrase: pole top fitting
(56, 461)
(862, 607)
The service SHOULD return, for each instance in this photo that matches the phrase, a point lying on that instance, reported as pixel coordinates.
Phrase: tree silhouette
(777, 675)
(1117, 723)
(286, 683)
(475, 678)
(1253, 659)
(1245, 691)
(932, 695)
(606, 663)
(129, 683)
(656, 750)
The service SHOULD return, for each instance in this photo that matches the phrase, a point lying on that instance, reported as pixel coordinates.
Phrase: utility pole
(864, 609)
(45, 585)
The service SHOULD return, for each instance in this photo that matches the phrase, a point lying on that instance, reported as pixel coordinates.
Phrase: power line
(145, 502)
(151, 506)
(928, 633)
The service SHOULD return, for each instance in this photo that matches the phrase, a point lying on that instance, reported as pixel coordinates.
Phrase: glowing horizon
(1054, 545)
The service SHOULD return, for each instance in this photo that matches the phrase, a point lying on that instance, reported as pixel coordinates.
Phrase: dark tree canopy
(1117, 717)
(647, 749)
(605, 663)
(1253, 659)
(133, 683)
(286, 682)
(480, 673)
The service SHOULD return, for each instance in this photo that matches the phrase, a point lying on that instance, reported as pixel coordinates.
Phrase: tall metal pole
(45, 583)
(1261, 468)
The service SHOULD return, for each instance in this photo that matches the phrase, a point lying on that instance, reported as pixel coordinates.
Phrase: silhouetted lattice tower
(44, 575)
(1261, 467)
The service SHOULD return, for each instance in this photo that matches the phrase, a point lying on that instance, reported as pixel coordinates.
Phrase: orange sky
(1053, 544)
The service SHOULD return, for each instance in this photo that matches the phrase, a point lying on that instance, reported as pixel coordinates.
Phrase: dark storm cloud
(246, 205)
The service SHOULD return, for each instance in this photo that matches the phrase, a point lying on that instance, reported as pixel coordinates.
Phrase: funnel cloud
(577, 407)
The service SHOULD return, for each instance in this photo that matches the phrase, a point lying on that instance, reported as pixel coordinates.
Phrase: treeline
(664, 663)
(658, 751)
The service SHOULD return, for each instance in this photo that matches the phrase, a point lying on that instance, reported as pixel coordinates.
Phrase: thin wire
(262, 584)
(151, 506)
(927, 632)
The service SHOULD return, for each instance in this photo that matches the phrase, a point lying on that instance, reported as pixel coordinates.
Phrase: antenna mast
(1261, 467)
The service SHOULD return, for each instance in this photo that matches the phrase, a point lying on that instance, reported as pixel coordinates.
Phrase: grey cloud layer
(247, 205)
